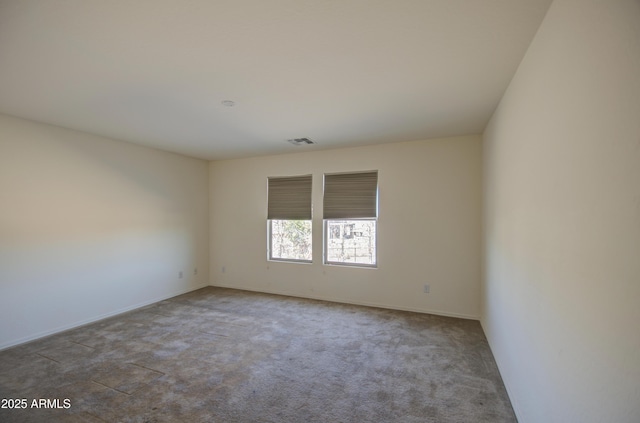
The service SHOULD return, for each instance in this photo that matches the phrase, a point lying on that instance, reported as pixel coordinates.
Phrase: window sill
(294, 261)
(356, 265)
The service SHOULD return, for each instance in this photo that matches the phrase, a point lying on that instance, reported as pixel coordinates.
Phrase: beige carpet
(221, 355)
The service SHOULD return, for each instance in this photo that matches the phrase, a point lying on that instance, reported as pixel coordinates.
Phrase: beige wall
(561, 301)
(428, 227)
(90, 227)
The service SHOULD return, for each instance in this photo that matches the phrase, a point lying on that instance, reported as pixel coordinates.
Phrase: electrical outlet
(427, 288)
(195, 271)
(224, 269)
(180, 274)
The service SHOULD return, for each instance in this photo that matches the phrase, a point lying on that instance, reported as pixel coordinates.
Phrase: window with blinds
(350, 211)
(289, 212)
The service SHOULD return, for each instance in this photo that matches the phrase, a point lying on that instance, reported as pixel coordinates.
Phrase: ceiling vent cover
(301, 141)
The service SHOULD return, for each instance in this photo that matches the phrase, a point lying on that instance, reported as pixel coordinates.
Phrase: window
(356, 243)
(289, 218)
(350, 211)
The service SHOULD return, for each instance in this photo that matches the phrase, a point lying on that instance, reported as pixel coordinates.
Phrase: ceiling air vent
(300, 141)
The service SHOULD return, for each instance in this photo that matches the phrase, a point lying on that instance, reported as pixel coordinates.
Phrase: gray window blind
(289, 198)
(350, 195)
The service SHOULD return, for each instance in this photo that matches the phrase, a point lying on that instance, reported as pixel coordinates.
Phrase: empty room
(320, 211)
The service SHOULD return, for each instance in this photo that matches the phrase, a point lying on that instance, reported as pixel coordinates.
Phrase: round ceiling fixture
(228, 103)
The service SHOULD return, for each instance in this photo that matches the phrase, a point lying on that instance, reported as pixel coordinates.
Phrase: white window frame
(349, 200)
(288, 202)
(325, 247)
(270, 245)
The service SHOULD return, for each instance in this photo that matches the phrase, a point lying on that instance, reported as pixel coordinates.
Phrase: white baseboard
(505, 382)
(362, 303)
(75, 325)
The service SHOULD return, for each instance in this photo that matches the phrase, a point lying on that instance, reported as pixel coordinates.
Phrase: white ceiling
(341, 72)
